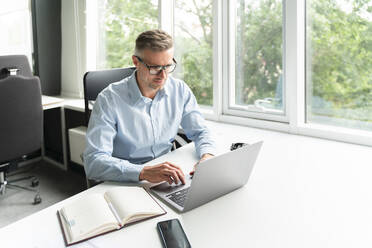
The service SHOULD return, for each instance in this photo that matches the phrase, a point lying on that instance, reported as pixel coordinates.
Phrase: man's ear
(135, 60)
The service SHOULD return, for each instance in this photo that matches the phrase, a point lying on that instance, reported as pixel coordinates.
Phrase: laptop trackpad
(166, 188)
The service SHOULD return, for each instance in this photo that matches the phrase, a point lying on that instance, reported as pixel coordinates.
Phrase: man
(136, 120)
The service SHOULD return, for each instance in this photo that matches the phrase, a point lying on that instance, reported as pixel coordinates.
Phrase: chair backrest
(96, 81)
(18, 62)
(21, 114)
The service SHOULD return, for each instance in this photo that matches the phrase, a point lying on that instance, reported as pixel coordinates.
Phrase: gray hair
(156, 40)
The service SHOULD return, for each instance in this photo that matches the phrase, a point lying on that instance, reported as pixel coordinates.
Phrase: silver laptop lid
(222, 174)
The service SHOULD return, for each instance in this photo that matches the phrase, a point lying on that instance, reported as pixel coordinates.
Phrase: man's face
(146, 81)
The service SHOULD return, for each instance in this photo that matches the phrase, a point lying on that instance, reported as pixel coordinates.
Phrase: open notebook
(98, 213)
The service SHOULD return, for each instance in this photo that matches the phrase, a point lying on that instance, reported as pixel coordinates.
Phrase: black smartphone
(172, 234)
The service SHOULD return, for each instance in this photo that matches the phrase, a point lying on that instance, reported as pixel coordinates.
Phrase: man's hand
(162, 172)
(204, 157)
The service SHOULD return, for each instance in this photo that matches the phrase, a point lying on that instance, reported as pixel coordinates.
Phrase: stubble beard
(156, 86)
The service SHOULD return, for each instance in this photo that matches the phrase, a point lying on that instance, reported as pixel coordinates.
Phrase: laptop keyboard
(179, 197)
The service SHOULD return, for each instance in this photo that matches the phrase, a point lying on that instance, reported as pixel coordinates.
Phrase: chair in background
(96, 81)
(21, 124)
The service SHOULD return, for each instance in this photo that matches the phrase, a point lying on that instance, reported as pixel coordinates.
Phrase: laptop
(213, 178)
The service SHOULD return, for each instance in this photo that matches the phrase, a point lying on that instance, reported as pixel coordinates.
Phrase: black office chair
(21, 114)
(96, 81)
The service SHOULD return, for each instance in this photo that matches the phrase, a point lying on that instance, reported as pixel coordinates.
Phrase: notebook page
(132, 201)
(88, 215)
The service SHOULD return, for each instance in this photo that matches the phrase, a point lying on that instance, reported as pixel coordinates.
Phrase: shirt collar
(165, 90)
(135, 93)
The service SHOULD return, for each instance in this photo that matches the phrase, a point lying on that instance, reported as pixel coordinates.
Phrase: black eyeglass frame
(156, 67)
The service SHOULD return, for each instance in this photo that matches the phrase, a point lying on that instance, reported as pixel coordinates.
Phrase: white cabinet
(77, 143)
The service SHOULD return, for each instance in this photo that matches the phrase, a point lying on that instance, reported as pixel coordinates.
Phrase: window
(258, 66)
(297, 66)
(193, 38)
(113, 26)
(16, 28)
(339, 63)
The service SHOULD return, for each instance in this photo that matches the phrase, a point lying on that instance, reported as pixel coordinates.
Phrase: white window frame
(298, 121)
(294, 84)
(251, 111)
(91, 14)
(166, 16)
(236, 116)
(295, 88)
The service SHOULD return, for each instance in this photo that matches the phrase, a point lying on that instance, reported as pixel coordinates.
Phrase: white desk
(303, 192)
(49, 102)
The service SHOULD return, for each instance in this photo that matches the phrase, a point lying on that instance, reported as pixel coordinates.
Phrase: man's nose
(162, 74)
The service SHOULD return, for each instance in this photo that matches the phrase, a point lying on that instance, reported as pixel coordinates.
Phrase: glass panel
(118, 23)
(259, 55)
(193, 47)
(16, 28)
(339, 63)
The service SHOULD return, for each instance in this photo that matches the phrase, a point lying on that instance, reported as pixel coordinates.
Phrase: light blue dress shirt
(127, 129)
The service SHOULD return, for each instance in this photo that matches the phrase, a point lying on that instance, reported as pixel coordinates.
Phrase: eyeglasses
(156, 69)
